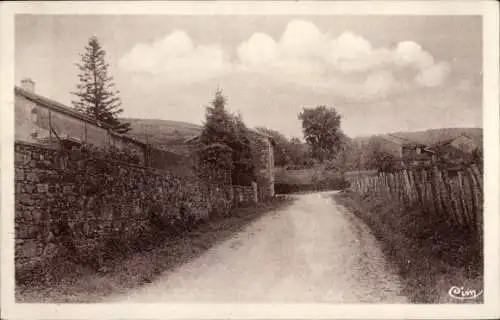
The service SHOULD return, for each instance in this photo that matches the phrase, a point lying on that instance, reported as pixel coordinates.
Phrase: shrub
(215, 162)
(110, 153)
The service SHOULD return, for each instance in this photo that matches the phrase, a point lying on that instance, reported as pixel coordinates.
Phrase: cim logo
(464, 294)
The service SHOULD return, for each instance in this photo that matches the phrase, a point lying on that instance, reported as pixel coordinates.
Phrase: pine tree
(222, 127)
(96, 92)
(218, 123)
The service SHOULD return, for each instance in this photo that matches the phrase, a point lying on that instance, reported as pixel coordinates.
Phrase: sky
(381, 73)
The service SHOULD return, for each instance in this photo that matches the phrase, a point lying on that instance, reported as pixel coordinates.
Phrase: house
(459, 147)
(44, 121)
(405, 150)
(263, 155)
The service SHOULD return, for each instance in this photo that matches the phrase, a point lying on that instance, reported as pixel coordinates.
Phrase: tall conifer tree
(96, 93)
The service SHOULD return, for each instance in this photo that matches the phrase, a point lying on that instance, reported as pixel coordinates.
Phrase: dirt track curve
(311, 251)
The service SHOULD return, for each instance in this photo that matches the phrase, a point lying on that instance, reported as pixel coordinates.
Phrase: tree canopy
(222, 127)
(96, 94)
(321, 128)
(377, 158)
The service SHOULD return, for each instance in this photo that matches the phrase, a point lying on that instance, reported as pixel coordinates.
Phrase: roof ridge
(402, 138)
(60, 107)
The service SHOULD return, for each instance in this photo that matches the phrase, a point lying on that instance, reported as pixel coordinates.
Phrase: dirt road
(311, 251)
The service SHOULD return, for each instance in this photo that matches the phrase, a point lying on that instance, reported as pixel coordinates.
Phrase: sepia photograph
(224, 156)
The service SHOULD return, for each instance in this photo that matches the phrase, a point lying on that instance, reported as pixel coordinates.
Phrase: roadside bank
(431, 258)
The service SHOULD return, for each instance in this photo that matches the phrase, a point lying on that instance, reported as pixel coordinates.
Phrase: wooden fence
(454, 194)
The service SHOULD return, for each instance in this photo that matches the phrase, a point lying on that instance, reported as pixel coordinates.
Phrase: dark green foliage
(290, 153)
(96, 95)
(111, 153)
(227, 129)
(321, 127)
(378, 159)
(282, 148)
(218, 126)
(215, 162)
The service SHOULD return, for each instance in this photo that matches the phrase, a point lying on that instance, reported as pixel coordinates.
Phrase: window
(34, 114)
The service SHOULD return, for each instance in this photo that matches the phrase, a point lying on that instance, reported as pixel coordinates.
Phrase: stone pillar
(255, 192)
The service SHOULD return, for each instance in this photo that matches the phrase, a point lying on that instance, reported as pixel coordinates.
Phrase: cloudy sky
(382, 73)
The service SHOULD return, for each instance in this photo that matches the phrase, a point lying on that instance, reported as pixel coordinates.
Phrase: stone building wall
(35, 117)
(263, 151)
(97, 200)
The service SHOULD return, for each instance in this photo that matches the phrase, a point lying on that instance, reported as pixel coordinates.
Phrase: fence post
(406, 184)
(476, 189)
(437, 194)
(450, 201)
(417, 186)
(429, 199)
(463, 201)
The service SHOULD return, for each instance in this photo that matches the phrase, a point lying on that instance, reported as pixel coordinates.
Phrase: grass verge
(161, 253)
(430, 256)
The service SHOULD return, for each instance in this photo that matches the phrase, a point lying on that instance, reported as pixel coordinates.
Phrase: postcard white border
(490, 308)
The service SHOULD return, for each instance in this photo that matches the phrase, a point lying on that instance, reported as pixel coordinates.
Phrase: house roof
(448, 141)
(61, 108)
(56, 106)
(402, 141)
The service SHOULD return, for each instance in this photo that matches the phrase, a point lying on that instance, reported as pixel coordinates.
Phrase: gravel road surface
(311, 251)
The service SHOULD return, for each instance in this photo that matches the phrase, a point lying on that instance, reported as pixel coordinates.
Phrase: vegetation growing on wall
(111, 153)
(224, 128)
(290, 153)
(215, 162)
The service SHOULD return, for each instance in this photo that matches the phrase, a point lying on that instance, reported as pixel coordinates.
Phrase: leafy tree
(244, 166)
(300, 154)
(96, 95)
(379, 159)
(282, 149)
(343, 160)
(321, 127)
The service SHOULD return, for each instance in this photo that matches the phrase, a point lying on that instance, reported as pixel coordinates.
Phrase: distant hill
(431, 136)
(162, 133)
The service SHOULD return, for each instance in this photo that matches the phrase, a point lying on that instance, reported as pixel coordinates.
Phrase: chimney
(28, 85)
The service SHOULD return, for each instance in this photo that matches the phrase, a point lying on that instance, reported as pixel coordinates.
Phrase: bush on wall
(215, 162)
(111, 153)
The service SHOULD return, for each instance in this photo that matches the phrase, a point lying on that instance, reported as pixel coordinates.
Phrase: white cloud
(434, 75)
(259, 49)
(349, 65)
(307, 56)
(301, 39)
(176, 58)
(351, 53)
(410, 54)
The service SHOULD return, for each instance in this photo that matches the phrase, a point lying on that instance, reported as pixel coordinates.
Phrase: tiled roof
(402, 141)
(448, 141)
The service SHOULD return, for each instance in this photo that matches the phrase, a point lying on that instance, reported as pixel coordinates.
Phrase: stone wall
(87, 201)
(264, 165)
(245, 195)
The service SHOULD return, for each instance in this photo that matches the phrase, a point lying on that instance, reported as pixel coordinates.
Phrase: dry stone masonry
(79, 202)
